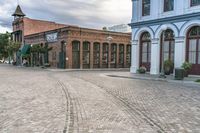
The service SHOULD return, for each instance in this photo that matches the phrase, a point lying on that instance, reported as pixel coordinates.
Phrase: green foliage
(36, 48)
(186, 66)
(198, 81)
(142, 70)
(4, 42)
(168, 66)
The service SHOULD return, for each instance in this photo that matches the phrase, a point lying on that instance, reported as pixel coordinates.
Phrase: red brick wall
(32, 26)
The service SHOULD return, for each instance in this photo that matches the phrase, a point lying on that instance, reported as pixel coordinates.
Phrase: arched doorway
(145, 50)
(167, 47)
(75, 54)
(86, 54)
(105, 53)
(193, 49)
(96, 55)
(113, 58)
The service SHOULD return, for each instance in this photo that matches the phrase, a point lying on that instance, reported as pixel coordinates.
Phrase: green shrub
(142, 70)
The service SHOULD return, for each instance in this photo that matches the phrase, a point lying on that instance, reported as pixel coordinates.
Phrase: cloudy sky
(86, 13)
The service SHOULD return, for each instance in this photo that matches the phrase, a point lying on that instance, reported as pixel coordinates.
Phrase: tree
(4, 42)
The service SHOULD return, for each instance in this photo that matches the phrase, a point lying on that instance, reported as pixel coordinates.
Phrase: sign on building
(52, 37)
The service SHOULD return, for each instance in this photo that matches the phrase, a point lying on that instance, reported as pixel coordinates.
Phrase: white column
(134, 56)
(155, 57)
(179, 52)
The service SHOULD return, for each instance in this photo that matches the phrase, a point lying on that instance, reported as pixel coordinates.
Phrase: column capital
(134, 42)
(155, 41)
(179, 39)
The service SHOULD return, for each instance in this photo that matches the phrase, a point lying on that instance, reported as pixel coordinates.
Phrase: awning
(25, 50)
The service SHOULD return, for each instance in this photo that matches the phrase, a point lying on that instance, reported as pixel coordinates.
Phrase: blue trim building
(170, 26)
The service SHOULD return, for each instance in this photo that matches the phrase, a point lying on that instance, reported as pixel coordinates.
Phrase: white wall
(180, 7)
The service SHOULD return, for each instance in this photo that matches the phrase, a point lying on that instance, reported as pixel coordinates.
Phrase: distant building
(71, 46)
(120, 28)
(165, 30)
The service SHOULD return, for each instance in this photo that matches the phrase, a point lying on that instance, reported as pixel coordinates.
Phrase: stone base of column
(154, 71)
(133, 69)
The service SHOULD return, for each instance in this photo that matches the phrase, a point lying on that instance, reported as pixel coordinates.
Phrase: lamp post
(162, 74)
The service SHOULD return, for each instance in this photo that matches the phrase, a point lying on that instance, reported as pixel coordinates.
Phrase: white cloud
(4, 29)
(91, 14)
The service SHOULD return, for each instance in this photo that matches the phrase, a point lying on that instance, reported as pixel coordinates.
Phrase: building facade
(165, 30)
(73, 47)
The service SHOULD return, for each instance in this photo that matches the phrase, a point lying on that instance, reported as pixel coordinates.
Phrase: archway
(193, 49)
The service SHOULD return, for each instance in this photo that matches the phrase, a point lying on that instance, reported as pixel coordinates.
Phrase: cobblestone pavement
(38, 101)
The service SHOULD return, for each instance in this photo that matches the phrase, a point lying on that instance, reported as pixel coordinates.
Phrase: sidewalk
(169, 78)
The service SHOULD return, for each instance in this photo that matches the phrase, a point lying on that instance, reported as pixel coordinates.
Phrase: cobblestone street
(42, 101)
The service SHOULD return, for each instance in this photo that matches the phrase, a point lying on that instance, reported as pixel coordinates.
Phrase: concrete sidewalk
(169, 78)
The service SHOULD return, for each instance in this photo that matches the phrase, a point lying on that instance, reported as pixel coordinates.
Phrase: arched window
(75, 54)
(96, 55)
(86, 54)
(113, 55)
(121, 55)
(146, 6)
(128, 55)
(193, 49)
(168, 5)
(145, 50)
(168, 45)
(105, 52)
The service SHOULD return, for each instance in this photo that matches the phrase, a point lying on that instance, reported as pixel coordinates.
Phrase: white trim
(169, 26)
(142, 30)
(188, 25)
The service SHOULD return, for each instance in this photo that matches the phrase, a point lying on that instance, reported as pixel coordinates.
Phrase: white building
(120, 28)
(172, 23)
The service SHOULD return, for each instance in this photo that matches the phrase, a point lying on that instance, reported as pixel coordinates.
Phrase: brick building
(73, 46)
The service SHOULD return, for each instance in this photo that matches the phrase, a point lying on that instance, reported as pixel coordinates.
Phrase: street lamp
(162, 74)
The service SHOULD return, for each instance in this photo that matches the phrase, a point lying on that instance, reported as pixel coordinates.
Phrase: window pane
(96, 58)
(195, 2)
(75, 46)
(146, 7)
(86, 46)
(199, 58)
(149, 55)
(121, 48)
(113, 57)
(96, 47)
(166, 46)
(192, 57)
(144, 57)
(121, 58)
(168, 5)
(192, 45)
(105, 47)
(105, 58)
(86, 58)
(166, 56)
(144, 47)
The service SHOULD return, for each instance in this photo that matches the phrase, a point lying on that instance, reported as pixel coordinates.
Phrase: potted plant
(142, 70)
(187, 67)
(168, 67)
